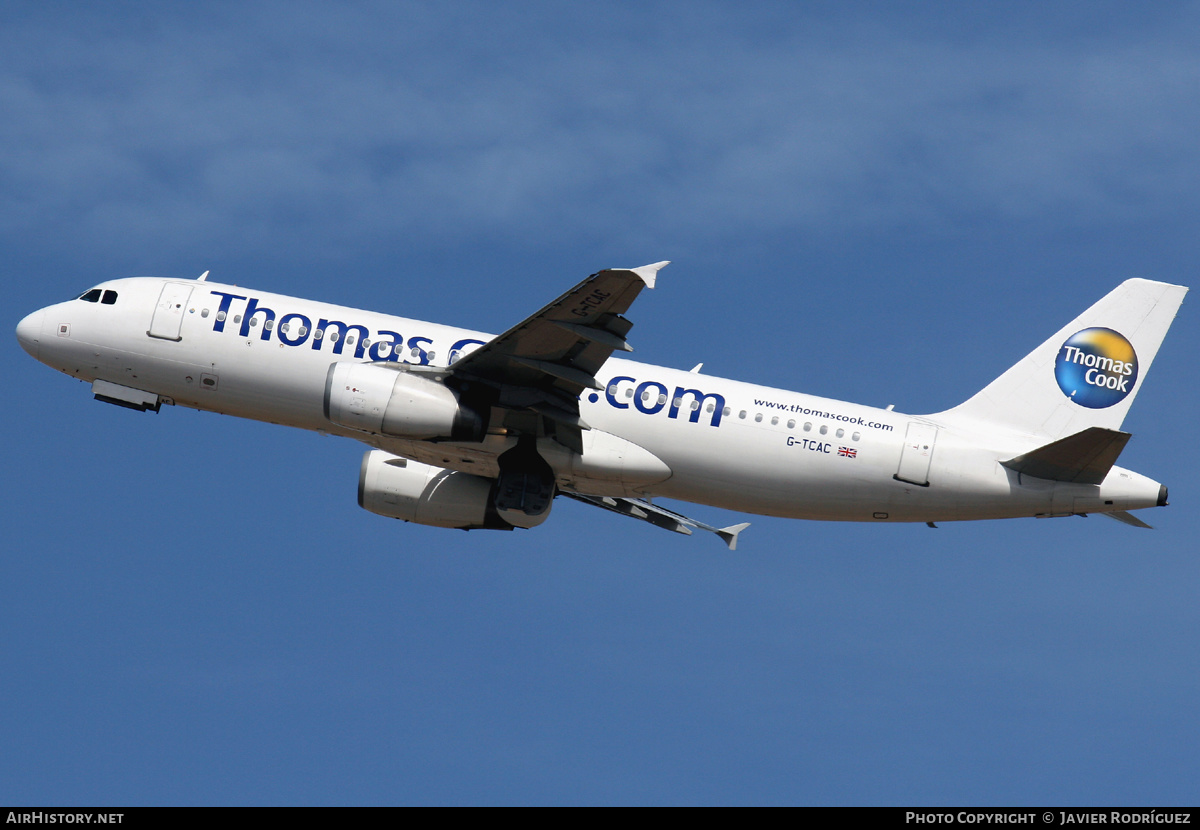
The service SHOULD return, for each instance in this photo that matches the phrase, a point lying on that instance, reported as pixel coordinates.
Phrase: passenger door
(168, 314)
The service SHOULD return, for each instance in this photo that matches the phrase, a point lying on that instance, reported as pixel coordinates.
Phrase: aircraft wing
(540, 367)
(660, 516)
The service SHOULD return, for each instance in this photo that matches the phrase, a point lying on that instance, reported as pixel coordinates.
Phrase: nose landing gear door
(168, 314)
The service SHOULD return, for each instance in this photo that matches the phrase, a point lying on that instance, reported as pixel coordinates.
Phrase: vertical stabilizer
(1087, 374)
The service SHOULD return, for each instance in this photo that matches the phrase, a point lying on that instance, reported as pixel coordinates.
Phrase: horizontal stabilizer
(1127, 518)
(1083, 458)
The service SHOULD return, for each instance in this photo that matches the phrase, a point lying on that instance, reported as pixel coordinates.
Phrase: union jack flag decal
(848, 452)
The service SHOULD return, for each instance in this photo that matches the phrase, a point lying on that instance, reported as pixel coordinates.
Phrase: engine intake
(388, 401)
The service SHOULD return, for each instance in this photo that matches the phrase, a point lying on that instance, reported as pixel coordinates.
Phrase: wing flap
(604, 337)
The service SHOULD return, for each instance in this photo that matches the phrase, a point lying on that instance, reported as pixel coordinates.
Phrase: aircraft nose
(29, 332)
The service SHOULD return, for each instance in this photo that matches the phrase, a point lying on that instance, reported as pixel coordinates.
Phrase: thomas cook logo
(1096, 368)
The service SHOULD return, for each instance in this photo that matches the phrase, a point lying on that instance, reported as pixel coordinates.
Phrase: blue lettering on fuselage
(389, 348)
(223, 308)
(650, 397)
(303, 326)
(416, 347)
(295, 329)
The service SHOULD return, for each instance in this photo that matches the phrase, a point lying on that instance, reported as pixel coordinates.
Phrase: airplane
(474, 431)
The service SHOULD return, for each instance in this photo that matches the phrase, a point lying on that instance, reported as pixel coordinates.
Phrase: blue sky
(882, 203)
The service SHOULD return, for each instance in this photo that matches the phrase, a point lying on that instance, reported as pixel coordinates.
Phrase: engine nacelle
(414, 492)
(389, 401)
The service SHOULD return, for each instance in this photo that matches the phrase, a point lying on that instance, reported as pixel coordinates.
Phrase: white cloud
(354, 123)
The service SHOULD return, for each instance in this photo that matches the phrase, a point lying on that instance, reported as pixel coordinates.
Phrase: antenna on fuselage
(202, 277)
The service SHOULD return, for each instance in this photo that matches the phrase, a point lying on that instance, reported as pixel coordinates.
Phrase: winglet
(649, 272)
(202, 277)
(730, 534)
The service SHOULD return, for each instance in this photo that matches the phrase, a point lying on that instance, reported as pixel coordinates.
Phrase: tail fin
(1087, 374)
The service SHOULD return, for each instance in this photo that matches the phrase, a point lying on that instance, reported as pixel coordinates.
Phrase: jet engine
(415, 492)
(389, 401)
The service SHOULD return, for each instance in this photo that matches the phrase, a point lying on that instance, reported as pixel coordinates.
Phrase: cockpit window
(98, 295)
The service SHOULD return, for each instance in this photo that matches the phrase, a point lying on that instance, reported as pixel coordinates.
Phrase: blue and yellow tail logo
(1096, 368)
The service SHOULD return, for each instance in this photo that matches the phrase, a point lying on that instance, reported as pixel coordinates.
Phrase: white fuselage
(726, 443)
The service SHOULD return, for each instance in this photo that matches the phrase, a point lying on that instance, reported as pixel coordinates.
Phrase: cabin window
(204, 313)
(333, 336)
(695, 405)
(284, 328)
(237, 318)
(629, 393)
(775, 420)
(824, 429)
(857, 436)
(109, 298)
(791, 424)
(253, 321)
(662, 399)
(269, 324)
(808, 426)
(318, 334)
(841, 433)
(221, 316)
(709, 408)
(758, 418)
(725, 412)
(742, 414)
(431, 355)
